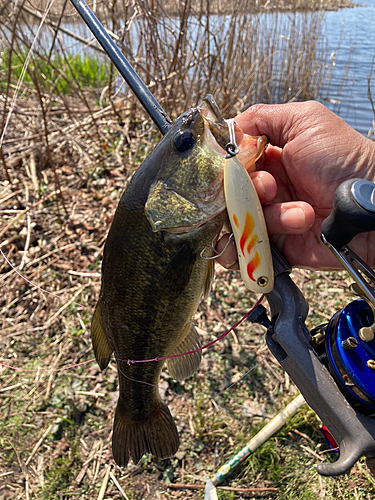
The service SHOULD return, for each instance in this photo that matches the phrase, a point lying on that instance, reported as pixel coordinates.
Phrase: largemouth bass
(153, 275)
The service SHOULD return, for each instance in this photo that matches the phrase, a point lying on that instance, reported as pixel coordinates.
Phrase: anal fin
(102, 349)
(184, 366)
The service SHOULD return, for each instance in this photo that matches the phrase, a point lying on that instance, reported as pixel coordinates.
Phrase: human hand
(311, 152)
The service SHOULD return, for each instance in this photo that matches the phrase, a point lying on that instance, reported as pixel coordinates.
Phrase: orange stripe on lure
(249, 228)
(246, 232)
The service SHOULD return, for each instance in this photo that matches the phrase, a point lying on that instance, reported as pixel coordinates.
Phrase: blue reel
(350, 358)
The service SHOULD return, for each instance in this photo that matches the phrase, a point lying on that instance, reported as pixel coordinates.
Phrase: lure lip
(251, 148)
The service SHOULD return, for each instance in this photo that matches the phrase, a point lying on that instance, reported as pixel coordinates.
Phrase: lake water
(353, 30)
(350, 35)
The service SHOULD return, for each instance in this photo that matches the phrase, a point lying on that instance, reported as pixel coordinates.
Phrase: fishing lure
(247, 221)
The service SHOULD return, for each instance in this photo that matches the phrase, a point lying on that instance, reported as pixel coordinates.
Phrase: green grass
(60, 74)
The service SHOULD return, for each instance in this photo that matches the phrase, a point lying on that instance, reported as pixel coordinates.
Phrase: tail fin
(157, 435)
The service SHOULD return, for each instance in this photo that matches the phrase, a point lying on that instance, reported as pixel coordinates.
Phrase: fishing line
(23, 72)
(134, 361)
(45, 370)
(199, 399)
(37, 286)
(128, 361)
(131, 362)
(243, 376)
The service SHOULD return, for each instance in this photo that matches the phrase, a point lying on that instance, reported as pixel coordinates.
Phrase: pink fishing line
(132, 361)
(45, 369)
(37, 286)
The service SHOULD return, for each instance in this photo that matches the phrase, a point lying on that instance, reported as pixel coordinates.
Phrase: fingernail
(293, 218)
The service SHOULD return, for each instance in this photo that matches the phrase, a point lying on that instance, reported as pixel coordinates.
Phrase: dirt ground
(63, 166)
(56, 423)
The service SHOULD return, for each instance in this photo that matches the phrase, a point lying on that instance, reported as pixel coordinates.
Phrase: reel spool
(350, 354)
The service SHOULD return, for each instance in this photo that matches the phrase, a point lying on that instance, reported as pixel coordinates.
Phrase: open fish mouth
(251, 148)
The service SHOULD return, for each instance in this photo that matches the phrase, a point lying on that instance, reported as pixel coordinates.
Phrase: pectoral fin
(168, 210)
(209, 278)
(184, 366)
(102, 349)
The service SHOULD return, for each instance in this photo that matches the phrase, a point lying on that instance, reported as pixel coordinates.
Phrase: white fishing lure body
(248, 227)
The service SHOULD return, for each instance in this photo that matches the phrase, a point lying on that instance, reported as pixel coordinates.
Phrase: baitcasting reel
(349, 346)
(350, 353)
(333, 365)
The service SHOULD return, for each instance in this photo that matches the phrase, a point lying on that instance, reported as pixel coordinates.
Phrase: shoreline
(216, 7)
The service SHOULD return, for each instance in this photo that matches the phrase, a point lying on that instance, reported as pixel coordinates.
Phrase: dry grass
(242, 58)
(65, 160)
(169, 7)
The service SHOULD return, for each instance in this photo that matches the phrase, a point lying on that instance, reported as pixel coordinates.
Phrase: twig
(11, 387)
(39, 443)
(32, 263)
(98, 459)
(118, 486)
(89, 43)
(369, 94)
(275, 374)
(104, 483)
(27, 242)
(90, 458)
(9, 196)
(62, 308)
(7, 473)
(52, 374)
(302, 434)
(33, 171)
(91, 393)
(58, 192)
(27, 487)
(180, 486)
(84, 275)
(312, 452)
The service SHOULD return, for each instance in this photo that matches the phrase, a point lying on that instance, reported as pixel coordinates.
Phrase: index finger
(281, 123)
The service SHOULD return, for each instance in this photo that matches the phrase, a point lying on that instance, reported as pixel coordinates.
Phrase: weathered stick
(181, 486)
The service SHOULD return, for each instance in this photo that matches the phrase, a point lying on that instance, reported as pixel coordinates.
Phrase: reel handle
(353, 212)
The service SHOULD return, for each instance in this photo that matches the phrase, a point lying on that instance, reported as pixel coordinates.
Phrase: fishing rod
(126, 70)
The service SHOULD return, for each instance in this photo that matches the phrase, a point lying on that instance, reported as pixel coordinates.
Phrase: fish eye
(184, 140)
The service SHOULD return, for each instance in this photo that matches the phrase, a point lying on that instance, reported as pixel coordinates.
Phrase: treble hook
(218, 254)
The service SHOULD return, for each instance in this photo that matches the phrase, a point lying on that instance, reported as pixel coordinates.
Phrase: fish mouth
(214, 123)
(251, 148)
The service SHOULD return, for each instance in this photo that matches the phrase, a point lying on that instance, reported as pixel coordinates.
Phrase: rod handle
(353, 212)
